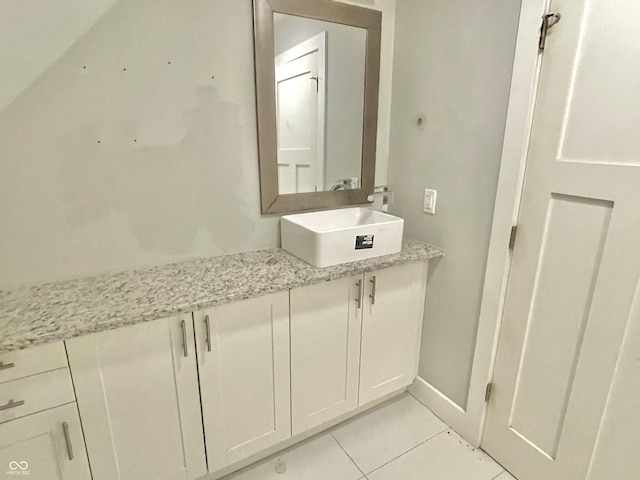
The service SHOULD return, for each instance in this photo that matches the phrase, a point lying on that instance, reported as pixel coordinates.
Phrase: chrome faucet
(385, 192)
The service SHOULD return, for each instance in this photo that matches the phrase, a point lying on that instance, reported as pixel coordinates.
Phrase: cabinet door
(325, 351)
(244, 377)
(38, 446)
(391, 329)
(137, 391)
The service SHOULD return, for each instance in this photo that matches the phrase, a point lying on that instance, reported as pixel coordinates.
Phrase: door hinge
(488, 391)
(548, 21)
(512, 238)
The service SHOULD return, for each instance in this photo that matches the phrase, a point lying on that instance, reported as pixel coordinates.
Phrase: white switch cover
(429, 204)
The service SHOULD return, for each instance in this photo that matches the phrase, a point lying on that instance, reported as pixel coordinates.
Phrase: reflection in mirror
(319, 77)
(317, 80)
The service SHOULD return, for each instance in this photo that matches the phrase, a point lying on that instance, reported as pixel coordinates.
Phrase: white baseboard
(444, 408)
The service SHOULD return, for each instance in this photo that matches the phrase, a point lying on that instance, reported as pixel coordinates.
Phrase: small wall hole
(420, 121)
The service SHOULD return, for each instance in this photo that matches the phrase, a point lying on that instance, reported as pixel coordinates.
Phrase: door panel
(576, 262)
(244, 379)
(300, 111)
(616, 454)
(391, 329)
(139, 401)
(36, 445)
(573, 240)
(325, 352)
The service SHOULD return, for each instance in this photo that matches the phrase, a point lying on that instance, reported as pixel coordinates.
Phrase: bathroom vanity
(201, 367)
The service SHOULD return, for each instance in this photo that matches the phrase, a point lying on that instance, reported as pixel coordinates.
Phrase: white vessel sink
(341, 236)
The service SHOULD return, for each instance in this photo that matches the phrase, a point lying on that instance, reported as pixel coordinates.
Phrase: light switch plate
(429, 202)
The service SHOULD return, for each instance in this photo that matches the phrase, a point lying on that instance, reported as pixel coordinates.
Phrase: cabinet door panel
(138, 400)
(391, 329)
(325, 352)
(244, 379)
(35, 445)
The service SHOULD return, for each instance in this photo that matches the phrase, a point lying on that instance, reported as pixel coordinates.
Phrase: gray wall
(105, 169)
(452, 64)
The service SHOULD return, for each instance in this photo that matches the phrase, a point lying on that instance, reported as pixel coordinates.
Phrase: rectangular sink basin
(340, 236)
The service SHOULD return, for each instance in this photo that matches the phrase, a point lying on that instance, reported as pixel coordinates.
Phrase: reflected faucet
(346, 184)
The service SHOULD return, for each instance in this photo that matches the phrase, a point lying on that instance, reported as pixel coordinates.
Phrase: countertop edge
(26, 321)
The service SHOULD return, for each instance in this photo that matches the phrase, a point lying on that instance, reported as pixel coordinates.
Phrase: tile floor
(399, 440)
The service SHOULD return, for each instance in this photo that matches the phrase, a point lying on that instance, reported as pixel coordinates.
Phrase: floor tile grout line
(407, 451)
(347, 454)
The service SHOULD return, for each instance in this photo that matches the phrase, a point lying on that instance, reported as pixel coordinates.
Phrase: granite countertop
(50, 312)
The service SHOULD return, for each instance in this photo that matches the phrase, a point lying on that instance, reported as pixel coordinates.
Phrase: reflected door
(576, 261)
(300, 103)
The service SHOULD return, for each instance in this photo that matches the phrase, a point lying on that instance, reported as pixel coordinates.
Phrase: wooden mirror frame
(327, 10)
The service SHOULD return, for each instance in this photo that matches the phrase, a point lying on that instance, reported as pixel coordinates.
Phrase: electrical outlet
(429, 203)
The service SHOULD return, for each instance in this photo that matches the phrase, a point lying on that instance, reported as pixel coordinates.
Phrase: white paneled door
(243, 363)
(393, 304)
(576, 261)
(325, 351)
(300, 104)
(137, 391)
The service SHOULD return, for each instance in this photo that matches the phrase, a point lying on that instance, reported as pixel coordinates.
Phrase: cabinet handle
(11, 404)
(184, 338)
(5, 366)
(67, 439)
(373, 290)
(359, 297)
(207, 325)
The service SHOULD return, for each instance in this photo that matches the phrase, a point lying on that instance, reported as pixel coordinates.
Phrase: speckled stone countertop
(58, 311)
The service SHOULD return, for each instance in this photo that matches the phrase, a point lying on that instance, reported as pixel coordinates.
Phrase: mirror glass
(317, 83)
(319, 79)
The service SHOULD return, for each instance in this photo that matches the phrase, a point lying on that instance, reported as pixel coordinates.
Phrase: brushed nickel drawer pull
(5, 366)
(11, 404)
(359, 297)
(184, 338)
(67, 439)
(373, 290)
(207, 324)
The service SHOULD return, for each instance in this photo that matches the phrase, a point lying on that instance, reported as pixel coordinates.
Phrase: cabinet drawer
(31, 361)
(38, 392)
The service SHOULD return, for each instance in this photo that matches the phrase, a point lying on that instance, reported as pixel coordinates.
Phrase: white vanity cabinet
(193, 394)
(137, 392)
(393, 306)
(325, 352)
(354, 340)
(40, 432)
(243, 363)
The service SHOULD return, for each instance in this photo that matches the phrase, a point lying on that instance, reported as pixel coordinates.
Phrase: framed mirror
(317, 82)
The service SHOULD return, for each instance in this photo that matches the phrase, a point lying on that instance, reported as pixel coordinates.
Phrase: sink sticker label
(364, 241)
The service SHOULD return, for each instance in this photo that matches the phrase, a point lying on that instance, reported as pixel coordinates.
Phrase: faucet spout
(383, 191)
